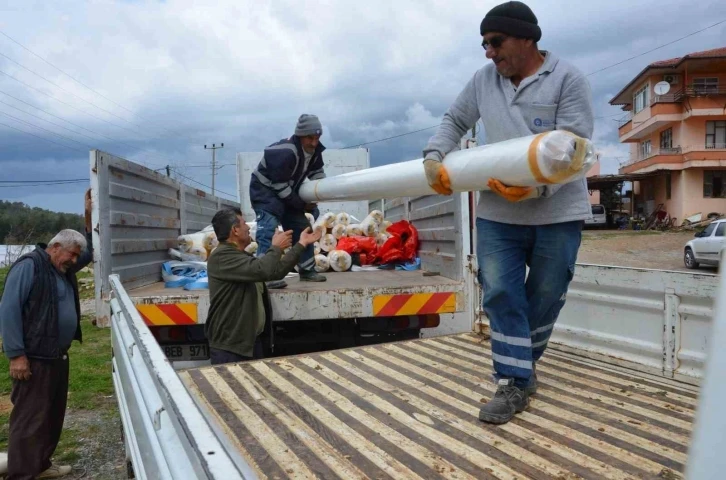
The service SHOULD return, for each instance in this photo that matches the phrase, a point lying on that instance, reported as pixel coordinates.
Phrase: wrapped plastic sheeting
(252, 248)
(340, 261)
(321, 263)
(354, 229)
(342, 219)
(338, 231)
(384, 226)
(328, 242)
(548, 158)
(317, 249)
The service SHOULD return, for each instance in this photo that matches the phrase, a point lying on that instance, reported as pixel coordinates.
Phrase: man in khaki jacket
(239, 306)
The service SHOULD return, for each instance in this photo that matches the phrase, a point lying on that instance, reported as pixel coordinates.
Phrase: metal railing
(679, 150)
(688, 91)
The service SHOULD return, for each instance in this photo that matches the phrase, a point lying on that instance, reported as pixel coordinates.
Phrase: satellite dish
(661, 88)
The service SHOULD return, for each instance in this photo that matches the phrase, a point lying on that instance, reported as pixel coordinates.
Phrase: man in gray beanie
(525, 91)
(274, 191)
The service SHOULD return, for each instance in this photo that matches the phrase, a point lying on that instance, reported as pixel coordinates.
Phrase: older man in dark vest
(40, 316)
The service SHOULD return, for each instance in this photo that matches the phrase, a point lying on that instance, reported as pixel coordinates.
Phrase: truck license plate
(187, 352)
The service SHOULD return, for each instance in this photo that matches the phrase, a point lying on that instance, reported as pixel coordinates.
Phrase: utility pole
(168, 171)
(214, 148)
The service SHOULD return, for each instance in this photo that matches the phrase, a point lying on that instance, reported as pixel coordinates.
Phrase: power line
(120, 142)
(74, 79)
(390, 138)
(70, 93)
(66, 104)
(42, 138)
(656, 48)
(41, 184)
(46, 181)
(45, 129)
(200, 183)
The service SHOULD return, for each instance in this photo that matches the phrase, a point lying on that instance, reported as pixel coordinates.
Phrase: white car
(599, 218)
(706, 247)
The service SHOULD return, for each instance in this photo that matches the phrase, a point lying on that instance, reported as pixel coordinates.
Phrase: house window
(668, 186)
(714, 182)
(645, 149)
(716, 134)
(640, 99)
(666, 139)
(705, 85)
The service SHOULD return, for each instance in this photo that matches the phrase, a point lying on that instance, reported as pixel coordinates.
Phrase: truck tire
(689, 259)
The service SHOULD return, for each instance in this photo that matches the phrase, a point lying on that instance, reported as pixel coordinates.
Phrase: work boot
(276, 284)
(531, 387)
(56, 471)
(504, 404)
(311, 276)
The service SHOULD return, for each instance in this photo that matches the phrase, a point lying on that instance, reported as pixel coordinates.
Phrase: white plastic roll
(340, 260)
(192, 240)
(353, 229)
(342, 219)
(321, 263)
(369, 227)
(310, 218)
(338, 231)
(377, 216)
(548, 158)
(199, 252)
(210, 241)
(325, 221)
(316, 248)
(328, 242)
(252, 248)
(384, 226)
(381, 238)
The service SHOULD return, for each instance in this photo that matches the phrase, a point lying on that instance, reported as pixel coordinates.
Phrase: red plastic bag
(357, 244)
(402, 246)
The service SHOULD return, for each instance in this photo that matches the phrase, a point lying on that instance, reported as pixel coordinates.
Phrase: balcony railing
(688, 91)
(679, 150)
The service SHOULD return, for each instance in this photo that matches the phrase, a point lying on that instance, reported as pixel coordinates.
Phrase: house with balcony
(678, 137)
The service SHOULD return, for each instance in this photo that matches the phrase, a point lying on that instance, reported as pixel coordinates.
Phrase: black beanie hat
(512, 18)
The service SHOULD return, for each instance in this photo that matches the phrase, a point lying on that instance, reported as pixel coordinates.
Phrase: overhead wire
(75, 79)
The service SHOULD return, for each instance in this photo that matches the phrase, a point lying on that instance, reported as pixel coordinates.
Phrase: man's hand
(281, 239)
(20, 368)
(437, 176)
(88, 207)
(310, 236)
(513, 194)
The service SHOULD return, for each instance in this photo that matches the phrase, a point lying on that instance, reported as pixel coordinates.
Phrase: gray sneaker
(504, 404)
(312, 276)
(531, 387)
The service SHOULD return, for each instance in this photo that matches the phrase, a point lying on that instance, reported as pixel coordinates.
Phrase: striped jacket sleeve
(316, 170)
(276, 169)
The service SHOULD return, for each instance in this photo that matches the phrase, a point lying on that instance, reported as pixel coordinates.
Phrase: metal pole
(214, 148)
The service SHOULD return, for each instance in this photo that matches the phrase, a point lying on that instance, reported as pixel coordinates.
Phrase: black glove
(296, 202)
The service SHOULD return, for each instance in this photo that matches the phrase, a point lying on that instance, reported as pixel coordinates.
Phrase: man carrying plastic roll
(274, 190)
(524, 91)
(239, 306)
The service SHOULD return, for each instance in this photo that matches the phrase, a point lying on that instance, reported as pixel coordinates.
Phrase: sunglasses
(495, 42)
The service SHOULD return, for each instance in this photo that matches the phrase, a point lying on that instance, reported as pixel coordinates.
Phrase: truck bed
(344, 295)
(409, 410)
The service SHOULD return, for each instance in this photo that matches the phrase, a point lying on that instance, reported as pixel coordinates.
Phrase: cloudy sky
(153, 81)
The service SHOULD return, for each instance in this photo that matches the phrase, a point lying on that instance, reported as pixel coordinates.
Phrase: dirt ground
(628, 248)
